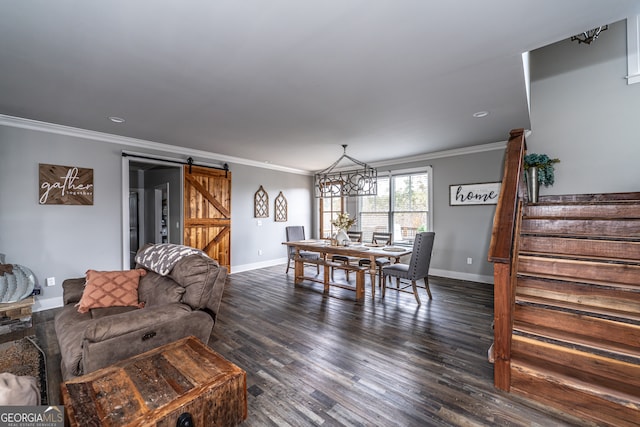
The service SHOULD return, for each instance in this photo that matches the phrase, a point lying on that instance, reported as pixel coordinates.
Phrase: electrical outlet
(259, 223)
(469, 261)
(51, 281)
(259, 251)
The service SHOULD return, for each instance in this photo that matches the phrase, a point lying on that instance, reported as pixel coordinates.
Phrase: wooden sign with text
(474, 194)
(65, 185)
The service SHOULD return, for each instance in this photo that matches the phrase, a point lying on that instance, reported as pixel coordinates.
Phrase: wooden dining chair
(418, 267)
(294, 233)
(378, 238)
(354, 236)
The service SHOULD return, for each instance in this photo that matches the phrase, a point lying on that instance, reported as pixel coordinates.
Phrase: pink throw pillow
(110, 289)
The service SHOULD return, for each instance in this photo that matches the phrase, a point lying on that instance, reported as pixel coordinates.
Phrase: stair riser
(579, 227)
(581, 270)
(581, 247)
(577, 293)
(626, 210)
(576, 402)
(604, 374)
(576, 328)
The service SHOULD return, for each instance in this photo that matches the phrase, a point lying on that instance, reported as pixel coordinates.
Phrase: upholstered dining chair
(294, 233)
(418, 267)
(354, 236)
(378, 238)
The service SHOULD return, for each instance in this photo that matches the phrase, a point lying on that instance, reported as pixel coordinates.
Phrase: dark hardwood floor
(315, 359)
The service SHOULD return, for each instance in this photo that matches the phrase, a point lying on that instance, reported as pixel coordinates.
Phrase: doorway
(155, 205)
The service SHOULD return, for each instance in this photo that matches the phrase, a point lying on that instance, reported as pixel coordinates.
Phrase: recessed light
(480, 114)
(115, 119)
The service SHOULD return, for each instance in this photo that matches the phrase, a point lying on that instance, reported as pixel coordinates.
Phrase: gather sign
(65, 185)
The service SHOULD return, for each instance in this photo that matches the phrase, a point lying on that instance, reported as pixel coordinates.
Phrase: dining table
(326, 250)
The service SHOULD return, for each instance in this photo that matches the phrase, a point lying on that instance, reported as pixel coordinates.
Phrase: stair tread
(576, 384)
(594, 198)
(585, 235)
(602, 259)
(587, 310)
(631, 239)
(580, 236)
(576, 217)
(583, 280)
(585, 202)
(583, 343)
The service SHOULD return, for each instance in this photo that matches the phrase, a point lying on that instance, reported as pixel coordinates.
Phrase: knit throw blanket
(162, 257)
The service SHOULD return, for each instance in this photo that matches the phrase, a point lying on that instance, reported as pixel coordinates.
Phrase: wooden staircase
(576, 319)
(567, 300)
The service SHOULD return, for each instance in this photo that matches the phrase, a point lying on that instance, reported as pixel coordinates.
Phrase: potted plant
(539, 170)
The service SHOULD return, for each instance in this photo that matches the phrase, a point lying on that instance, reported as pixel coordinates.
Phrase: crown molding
(19, 122)
(91, 135)
(500, 145)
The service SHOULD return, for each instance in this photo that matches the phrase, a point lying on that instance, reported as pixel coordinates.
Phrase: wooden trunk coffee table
(158, 387)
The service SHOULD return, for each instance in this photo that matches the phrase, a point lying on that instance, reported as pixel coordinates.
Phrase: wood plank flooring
(314, 359)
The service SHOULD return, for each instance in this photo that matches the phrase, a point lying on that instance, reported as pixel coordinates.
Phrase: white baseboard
(42, 304)
(257, 265)
(461, 276)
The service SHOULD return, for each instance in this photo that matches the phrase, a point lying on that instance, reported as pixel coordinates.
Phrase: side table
(184, 380)
(15, 320)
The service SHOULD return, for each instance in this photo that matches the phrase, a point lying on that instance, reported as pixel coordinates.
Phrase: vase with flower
(343, 223)
(539, 170)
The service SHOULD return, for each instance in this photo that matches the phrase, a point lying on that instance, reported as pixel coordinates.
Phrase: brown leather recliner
(184, 302)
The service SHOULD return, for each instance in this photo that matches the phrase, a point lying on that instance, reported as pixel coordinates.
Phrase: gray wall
(583, 112)
(66, 241)
(462, 231)
(55, 240)
(247, 236)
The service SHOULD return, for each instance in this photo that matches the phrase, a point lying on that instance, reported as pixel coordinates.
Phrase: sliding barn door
(207, 212)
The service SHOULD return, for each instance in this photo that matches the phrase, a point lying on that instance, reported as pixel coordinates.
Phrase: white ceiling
(285, 81)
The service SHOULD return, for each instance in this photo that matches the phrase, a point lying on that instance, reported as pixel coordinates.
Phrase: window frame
(391, 212)
(333, 215)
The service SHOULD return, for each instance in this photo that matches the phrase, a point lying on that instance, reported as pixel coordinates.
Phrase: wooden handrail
(504, 219)
(501, 249)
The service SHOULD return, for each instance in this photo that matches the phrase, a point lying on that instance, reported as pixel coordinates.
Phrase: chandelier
(359, 181)
(588, 36)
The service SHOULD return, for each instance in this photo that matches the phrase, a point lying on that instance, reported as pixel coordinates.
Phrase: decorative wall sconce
(588, 36)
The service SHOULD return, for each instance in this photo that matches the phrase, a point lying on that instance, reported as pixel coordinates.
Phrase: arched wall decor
(280, 208)
(261, 204)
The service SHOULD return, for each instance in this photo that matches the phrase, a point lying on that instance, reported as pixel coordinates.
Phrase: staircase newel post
(502, 326)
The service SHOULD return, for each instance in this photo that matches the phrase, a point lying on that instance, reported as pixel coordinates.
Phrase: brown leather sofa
(182, 303)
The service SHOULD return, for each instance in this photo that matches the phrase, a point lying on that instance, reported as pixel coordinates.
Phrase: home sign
(65, 185)
(474, 194)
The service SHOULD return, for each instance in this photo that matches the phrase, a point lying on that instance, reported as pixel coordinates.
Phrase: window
(401, 206)
(374, 211)
(330, 208)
